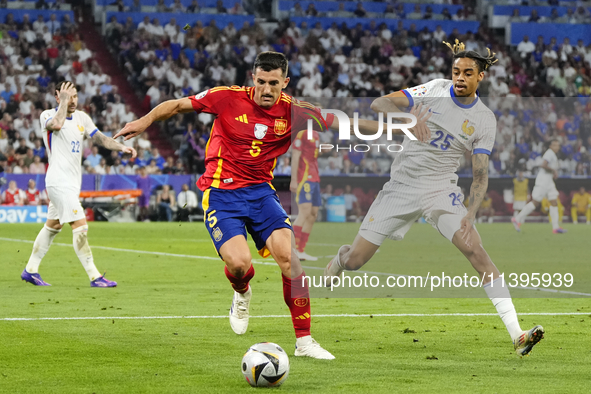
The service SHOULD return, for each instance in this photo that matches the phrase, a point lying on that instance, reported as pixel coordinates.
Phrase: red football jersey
(16, 197)
(308, 165)
(246, 139)
(33, 196)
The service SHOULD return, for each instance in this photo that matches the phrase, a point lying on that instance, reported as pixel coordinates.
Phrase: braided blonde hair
(484, 62)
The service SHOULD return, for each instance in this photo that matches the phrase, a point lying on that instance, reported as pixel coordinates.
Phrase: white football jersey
(455, 129)
(64, 148)
(544, 176)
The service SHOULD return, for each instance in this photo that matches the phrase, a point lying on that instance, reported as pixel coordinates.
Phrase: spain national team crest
(260, 130)
(466, 129)
(217, 234)
(280, 126)
(300, 302)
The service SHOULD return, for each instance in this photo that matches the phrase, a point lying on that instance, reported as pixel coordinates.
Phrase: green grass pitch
(374, 354)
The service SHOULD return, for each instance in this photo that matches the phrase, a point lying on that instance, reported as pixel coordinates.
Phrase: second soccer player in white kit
(64, 131)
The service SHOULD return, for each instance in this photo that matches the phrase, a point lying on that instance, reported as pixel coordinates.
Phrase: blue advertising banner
(23, 214)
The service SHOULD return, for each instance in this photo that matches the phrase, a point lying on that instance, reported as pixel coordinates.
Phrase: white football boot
(239, 311)
(308, 347)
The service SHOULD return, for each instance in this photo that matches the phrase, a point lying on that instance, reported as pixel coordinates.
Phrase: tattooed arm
(109, 143)
(477, 192)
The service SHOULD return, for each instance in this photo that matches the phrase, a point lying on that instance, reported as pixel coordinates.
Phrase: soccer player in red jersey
(305, 183)
(252, 128)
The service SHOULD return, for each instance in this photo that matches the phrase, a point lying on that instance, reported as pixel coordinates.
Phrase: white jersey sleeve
(485, 137)
(45, 117)
(422, 93)
(90, 128)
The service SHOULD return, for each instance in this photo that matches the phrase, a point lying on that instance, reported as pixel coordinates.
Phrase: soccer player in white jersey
(64, 130)
(423, 181)
(544, 187)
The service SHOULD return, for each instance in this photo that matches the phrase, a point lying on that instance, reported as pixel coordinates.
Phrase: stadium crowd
(34, 56)
(341, 66)
(349, 64)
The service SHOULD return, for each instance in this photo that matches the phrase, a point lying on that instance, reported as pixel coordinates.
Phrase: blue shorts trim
(254, 209)
(309, 193)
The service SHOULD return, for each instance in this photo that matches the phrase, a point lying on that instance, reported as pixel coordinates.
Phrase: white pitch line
(189, 256)
(286, 316)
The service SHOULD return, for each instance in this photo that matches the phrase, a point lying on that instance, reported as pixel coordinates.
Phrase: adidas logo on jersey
(303, 317)
(242, 119)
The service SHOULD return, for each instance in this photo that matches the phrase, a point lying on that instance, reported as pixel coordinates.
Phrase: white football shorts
(398, 206)
(544, 189)
(64, 205)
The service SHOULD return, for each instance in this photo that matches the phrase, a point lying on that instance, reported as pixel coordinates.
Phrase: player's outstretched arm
(477, 192)
(371, 127)
(67, 91)
(109, 143)
(390, 103)
(162, 111)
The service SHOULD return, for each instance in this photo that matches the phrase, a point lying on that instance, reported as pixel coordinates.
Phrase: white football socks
(40, 248)
(529, 208)
(554, 217)
(80, 240)
(498, 292)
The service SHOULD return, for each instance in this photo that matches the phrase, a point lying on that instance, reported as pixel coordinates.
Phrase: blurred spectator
(187, 203)
(101, 168)
(34, 197)
(94, 159)
(37, 167)
(157, 158)
(581, 205)
(284, 168)
(13, 195)
(351, 205)
(165, 201)
(143, 184)
(486, 210)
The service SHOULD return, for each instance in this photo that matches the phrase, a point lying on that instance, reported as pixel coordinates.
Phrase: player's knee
(313, 216)
(238, 265)
(283, 257)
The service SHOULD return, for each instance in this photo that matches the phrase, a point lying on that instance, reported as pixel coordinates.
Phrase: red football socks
(297, 298)
(240, 285)
(303, 241)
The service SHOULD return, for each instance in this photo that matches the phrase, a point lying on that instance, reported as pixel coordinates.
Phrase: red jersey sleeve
(214, 100)
(302, 111)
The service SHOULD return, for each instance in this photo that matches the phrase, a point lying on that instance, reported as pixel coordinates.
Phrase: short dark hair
(482, 62)
(269, 61)
(62, 83)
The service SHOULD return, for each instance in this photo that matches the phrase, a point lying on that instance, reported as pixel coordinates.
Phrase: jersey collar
(458, 103)
(70, 118)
